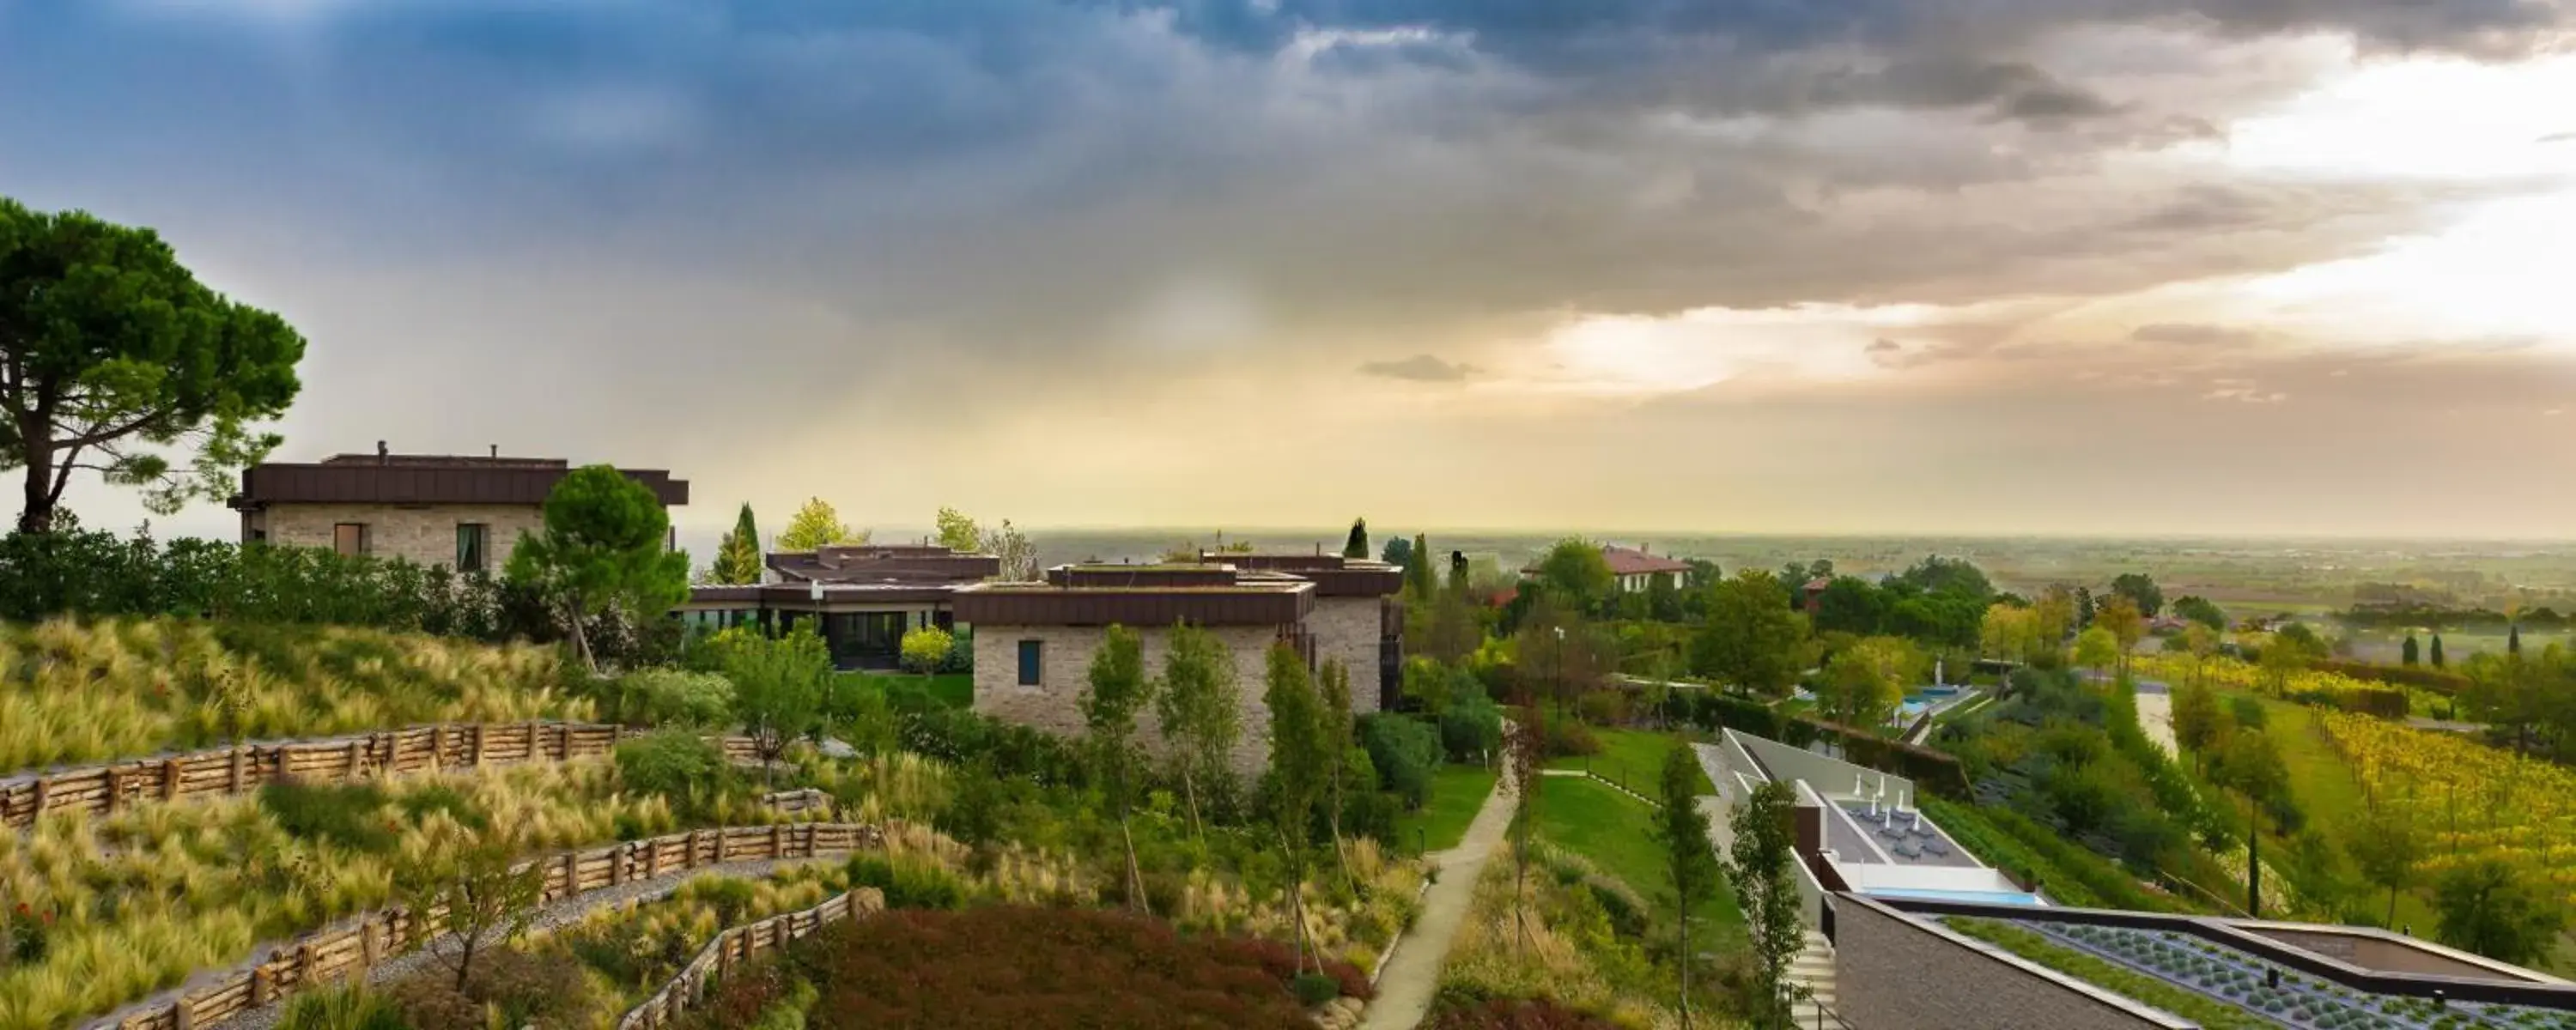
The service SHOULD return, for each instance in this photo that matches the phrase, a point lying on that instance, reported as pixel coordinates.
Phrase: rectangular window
(350, 539)
(470, 553)
(1030, 653)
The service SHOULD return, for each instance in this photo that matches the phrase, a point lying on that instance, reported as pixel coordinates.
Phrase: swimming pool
(1935, 894)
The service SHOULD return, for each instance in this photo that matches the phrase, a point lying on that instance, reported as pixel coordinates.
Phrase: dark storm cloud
(1420, 368)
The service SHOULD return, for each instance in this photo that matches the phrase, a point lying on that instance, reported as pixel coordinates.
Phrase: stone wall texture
(1891, 973)
(1346, 630)
(1055, 704)
(425, 535)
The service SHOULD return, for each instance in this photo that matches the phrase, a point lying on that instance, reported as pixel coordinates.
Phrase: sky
(1938, 266)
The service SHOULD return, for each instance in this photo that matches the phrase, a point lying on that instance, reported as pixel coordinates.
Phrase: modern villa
(465, 513)
(1908, 931)
(1034, 641)
(866, 596)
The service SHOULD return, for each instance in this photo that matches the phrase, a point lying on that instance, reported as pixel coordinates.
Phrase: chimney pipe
(383, 456)
(496, 450)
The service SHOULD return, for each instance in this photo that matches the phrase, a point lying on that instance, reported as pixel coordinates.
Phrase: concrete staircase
(1813, 969)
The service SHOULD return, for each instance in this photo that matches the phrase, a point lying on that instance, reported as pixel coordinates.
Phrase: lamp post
(1560, 671)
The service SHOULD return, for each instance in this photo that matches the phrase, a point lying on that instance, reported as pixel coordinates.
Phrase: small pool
(1935, 894)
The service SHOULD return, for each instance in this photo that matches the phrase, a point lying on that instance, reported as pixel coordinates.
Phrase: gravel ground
(556, 916)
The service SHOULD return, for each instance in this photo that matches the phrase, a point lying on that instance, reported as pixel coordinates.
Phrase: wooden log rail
(349, 950)
(107, 788)
(689, 988)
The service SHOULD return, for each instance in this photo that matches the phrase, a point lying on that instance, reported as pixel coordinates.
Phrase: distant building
(865, 596)
(1811, 594)
(465, 513)
(1634, 568)
(1034, 641)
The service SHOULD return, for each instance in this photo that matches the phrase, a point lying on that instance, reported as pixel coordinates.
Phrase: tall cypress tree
(1357, 545)
(1457, 570)
(2513, 640)
(2437, 650)
(2408, 653)
(737, 559)
(1417, 573)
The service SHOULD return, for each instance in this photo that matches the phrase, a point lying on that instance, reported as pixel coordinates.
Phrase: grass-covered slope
(73, 692)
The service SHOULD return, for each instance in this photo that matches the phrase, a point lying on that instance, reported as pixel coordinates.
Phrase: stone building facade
(1054, 704)
(459, 512)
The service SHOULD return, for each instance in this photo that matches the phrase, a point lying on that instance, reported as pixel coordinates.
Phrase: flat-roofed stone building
(465, 513)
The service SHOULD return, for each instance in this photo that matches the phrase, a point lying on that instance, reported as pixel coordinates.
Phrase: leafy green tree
(738, 559)
(2490, 907)
(2198, 721)
(1765, 885)
(1357, 546)
(2127, 624)
(1577, 576)
(476, 897)
(1864, 682)
(2141, 590)
(2201, 610)
(1849, 604)
(2056, 611)
(2084, 608)
(604, 543)
(778, 687)
(2387, 850)
(925, 648)
(959, 533)
(1690, 861)
(1398, 552)
(2408, 654)
(1300, 759)
(2437, 650)
(1663, 598)
(1334, 696)
(1199, 711)
(816, 526)
(1113, 696)
(1751, 639)
(2097, 649)
(112, 353)
(2009, 632)
(1019, 556)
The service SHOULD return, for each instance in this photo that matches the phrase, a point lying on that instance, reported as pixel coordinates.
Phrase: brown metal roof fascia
(799, 597)
(1286, 562)
(1142, 607)
(1142, 576)
(1356, 582)
(264, 485)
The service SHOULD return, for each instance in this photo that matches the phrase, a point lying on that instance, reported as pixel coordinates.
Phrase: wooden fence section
(715, 960)
(106, 788)
(349, 950)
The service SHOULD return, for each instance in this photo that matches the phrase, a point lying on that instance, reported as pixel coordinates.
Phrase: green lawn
(1615, 832)
(1631, 758)
(954, 689)
(1457, 791)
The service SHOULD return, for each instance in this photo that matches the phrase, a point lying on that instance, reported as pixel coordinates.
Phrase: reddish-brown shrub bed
(1011, 968)
(1517, 1014)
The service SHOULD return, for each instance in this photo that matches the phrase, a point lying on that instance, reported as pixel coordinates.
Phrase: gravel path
(553, 917)
(1412, 977)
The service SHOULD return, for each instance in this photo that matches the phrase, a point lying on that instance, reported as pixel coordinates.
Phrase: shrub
(440, 797)
(1472, 728)
(1568, 739)
(909, 882)
(2248, 712)
(674, 697)
(1516, 1014)
(1405, 751)
(1314, 989)
(341, 1009)
(1021, 967)
(344, 814)
(1603, 707)
(673, 764)
(545, 986)
(926, 648)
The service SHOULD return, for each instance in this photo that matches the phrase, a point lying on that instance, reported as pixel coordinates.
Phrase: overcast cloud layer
(1966, 265)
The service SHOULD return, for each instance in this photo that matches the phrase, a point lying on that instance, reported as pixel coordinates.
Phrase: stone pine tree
(1418, 576)
(1397, 552)
(1690, 863)
(2436, 654)
(1758, 868)
(1113, 696)
(116, 358)
(2407, 653)
(1200, 713)
(1357, 546)
(1299, 761)
(604, 544)
(738, 556)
